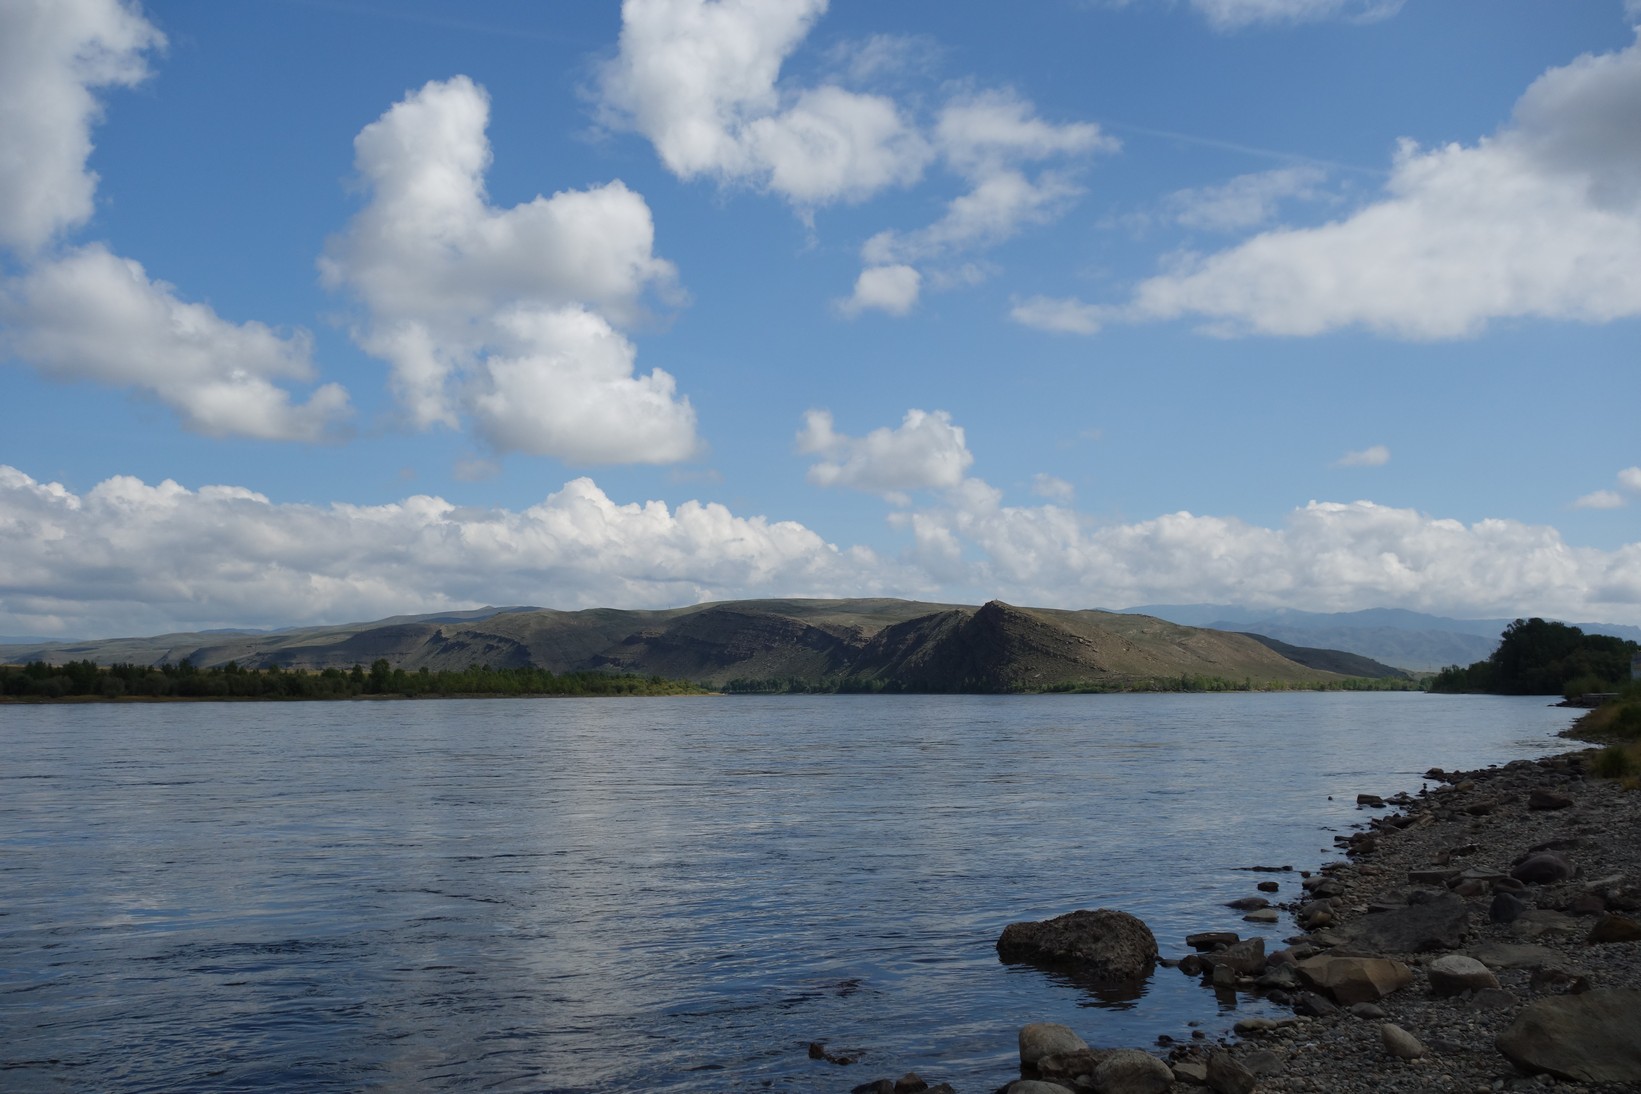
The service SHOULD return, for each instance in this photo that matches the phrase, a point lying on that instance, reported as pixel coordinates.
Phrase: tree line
(1535, 657)
(89, 680)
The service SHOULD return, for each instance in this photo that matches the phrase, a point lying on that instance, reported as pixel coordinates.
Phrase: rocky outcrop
(1103, 946)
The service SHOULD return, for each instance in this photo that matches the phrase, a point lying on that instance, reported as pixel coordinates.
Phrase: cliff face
(888, 645)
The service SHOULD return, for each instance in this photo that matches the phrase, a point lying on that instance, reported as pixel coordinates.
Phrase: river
(649, 894)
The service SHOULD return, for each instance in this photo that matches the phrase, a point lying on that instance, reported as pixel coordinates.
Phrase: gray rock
(1227, 1076)
(1130, 1071)
(1040, 1039)
(1036, 1086)
(1615, 928)
(1208, 940)
(1247, 903)
(1455, 974)
(1437, 924)
(1590, 1038)
(1355, 979)
(1539, 798)
(1506, 908)
(1191, 1071)
(1371, 1012)
(1103, 945)
(1312, 1005)
(1511, 955)
(1543, 868)
(1263, 915)
(1399, 1042)
(1247, 958)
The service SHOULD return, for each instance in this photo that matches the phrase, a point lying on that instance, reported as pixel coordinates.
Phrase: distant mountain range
(891, 645)
(1408, 640)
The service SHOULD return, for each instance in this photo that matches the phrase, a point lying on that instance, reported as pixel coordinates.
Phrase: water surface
(647, 894)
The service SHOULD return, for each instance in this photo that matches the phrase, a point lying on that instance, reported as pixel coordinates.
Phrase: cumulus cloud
(1375, 456)
(1328, 556)
(1058, 316)
(1629, 483)
(1542, 219)
(504, 316)
(892, 289)
(987, 139)
(699, 79)
(91, 315)
(54, 55)
(926, 451)
(1052, 487)
(702, 81)
(1246, 201)
(129, 557)
(1600, 499)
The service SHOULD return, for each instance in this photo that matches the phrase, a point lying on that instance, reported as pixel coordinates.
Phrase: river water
(651, 894)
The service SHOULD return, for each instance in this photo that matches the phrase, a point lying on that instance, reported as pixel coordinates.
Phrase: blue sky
(325, 310)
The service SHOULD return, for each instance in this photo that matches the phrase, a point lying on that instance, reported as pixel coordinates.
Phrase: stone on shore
(1130, 1071)
(1036, 1086)
(1040, 1039)
(1400, 1043)
(1540, 798)
(1543, 868)
(1615, 928)
(1227, 1076)
(1437, 924)
(1350, 980)
(1590, 1038)
(1104, 945)
(1455, 974)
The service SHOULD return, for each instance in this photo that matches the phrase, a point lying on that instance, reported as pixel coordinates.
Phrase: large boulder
(1130, 1071)
(1590, 1038)
(1355, 979)
(1040, 1039)
(1455, 974)
(1438, 924)
(1103, 945)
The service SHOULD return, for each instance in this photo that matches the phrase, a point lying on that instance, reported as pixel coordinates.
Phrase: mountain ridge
(785, 644)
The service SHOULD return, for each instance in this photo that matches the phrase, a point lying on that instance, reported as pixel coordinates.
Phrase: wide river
(651, 894)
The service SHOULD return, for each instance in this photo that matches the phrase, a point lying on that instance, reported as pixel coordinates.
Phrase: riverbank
(1486, 937)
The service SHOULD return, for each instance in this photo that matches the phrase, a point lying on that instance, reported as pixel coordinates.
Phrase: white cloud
(892, 289)
(1246, 201)
(1375, 456)
(925, 451)
(1630, 477)
(54, 54)
(505, 315)
(1235, 14)
(91, 315)
(1600, 499)
(1328, 556)
(1067, 316)
(128, 557)
(1052, 487)
(986, 138)
(1543, 219)
(699, 80)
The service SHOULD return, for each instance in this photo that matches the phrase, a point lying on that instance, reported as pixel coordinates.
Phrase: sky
(316, 311)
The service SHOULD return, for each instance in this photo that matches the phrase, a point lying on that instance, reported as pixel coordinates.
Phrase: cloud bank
(131, 557)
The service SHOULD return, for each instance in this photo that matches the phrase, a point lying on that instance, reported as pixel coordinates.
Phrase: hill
(866, 645)
(1410, 640)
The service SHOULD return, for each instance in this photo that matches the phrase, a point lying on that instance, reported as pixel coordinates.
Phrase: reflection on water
(645, 894)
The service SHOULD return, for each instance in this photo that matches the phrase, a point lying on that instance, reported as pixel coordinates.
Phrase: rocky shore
(1484, 936)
